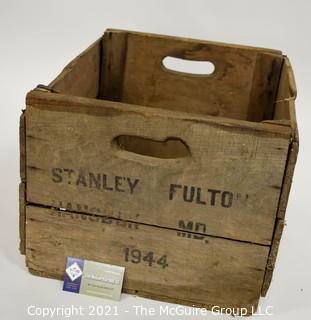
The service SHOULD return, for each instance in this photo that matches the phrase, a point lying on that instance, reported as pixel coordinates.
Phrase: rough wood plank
(293, 152)
(114, 56)
(264, 86)
(287, 85)
(285, 109)
(227, 142)
(287, 92)
(22, 147)
(272, 256)
(288, 177)
(81, 76)
(22, 218)
(83, 105)
(215, 271)
(197, 41)
(22, 185)
(147, 82)
(281, 110)
(235, 192)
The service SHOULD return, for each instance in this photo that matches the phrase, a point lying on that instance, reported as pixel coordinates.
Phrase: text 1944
(148, 257)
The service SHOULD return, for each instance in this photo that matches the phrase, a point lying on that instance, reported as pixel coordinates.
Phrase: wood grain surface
(211, 272)
(284, 109)
(122, 160)
(243, 85)
(82, 75)
(229, 183)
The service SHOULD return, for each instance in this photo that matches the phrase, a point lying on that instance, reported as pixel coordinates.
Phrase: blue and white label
(73, 274)
(93, 278)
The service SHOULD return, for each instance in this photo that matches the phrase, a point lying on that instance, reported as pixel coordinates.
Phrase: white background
(38, 38)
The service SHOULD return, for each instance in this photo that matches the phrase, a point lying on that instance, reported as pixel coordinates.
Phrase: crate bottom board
(140, 293)
(159, 263)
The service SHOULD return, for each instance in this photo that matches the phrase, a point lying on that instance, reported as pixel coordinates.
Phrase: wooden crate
(182, 179)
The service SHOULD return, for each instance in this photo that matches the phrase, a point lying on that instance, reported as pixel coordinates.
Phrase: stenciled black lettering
(185, 225)
(213, 193)
(121, 223)
(69, 206)
(94, 218)
(118, 184)
(132, 184)
(95, 180)
(57, 175)
(199, 200)
(105, 183)
(226, 199)
(173, 188)
(202, 196)
(188, 196)
(81, 179)
(69, 174)
(200, 227)
(106, 219)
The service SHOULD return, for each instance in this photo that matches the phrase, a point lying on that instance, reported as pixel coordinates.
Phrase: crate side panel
(147, 82)
(81, 76)
(285, 109)
(229, 186)
(293, 152)
(22, 147)
(196, 41)
(264, 86)
(272, 255)
(22, 185)
(287, 85)
(210, 272)
(22, 217)
(288, 179)
(113, 64)
(285, 101)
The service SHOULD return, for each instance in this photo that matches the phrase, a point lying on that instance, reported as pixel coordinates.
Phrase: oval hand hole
(188, 67)
(170, 148)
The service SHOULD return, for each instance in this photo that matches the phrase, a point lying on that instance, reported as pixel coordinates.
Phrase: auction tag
(93, 278)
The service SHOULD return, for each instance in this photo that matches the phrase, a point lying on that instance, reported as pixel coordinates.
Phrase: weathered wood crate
(183, 179)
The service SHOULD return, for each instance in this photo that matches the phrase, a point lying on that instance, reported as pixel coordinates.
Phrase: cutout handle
(188, 67)
(170, 148)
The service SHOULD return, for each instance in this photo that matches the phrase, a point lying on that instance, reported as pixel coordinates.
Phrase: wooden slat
(285, 109)
(203, 273)
(287, 85)
(264, 86)
(197, 41)
(113, 63)
(22, 148)
(285, 106)
(281, 110)
(22, 217)
(22, 185)
(81, 76)
(249, 164)
(293, 152)
(81, 104)
(243, 85)
(272, 256)
(288, 177)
